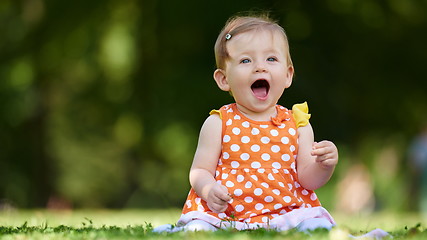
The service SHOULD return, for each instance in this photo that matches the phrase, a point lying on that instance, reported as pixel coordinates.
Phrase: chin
(262, 107)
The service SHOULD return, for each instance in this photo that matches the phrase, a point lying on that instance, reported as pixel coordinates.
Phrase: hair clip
(227, 36)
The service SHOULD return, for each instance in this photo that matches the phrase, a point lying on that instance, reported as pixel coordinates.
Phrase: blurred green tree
(101, 101)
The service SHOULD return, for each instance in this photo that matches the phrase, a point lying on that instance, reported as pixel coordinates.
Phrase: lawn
(137, 224)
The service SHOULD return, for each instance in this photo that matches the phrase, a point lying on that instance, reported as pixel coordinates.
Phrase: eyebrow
(268, 52)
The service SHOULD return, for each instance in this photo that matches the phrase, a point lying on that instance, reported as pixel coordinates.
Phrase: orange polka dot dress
(257, 165)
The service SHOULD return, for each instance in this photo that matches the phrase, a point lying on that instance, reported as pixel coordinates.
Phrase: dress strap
(300, 114)
(214, 111)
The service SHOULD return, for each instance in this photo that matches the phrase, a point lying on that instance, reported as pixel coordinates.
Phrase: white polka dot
(274, 133)
(188, 203)
(304, 192)
(200, 208)
(216, 173)
(276, 165)
(276, 191)
(245, 156)
(287, 199)
(292, 148)
(255, 165)
(235, 164)
(297, 185)
(229, 184)
(265, 211)
(249, 199)
(236, 131)
(245, 139)
(237, 117)
(254, 177)
(198, 200)
(290, 186)
(265, 140)
(259, 206)
(225, 155)
(286, 157)
(278, 206)
(245, 124)
(313, 197)
(284, 211)
(233, 171)
(268, 199)
(271, 177)
(240, 178)
(226, 138)
(265, 156)
(239, 208)
(222, 215)
(285, 140)
(261, 170)
(255, 131)
(255, 148)
(282, 125)
(258, 191)
(238, 192)
(275, 148)
(224, 176)
(248, 184)
(235, 148)
(292, 131)
(281, 184)
(265, 219)
(263, 126)
(229, 122)
(264, 184)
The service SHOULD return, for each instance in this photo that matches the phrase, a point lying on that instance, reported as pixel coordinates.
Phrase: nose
(260, 67)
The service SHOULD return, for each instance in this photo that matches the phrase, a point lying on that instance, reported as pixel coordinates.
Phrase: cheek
(279, 90)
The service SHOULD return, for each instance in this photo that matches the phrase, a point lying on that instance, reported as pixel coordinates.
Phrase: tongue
(260, 92)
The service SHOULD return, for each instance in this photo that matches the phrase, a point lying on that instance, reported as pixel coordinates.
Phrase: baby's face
(257, 70)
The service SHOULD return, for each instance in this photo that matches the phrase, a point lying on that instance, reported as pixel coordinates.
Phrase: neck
(258, 116)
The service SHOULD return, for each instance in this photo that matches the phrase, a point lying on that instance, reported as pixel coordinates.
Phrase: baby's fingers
(319, 151)
(218, 207)
(223, 194)
(323, 148)
(328, 163)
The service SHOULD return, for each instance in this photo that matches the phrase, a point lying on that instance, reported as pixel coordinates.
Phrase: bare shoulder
(212, 124)
(305, 141)
(305, 131)
(209, 146)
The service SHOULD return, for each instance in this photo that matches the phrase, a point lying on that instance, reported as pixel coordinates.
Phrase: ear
(289, 76)
(221, 80)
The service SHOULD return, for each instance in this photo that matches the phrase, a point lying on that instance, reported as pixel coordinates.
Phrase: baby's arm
(205, 161)
(316, 161)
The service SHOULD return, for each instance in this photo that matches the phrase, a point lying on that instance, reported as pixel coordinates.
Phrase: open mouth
(260, 88)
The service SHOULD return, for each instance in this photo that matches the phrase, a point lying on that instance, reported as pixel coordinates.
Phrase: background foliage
(102, 100)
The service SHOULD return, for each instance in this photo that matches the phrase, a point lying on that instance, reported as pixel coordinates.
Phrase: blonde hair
(241, 24)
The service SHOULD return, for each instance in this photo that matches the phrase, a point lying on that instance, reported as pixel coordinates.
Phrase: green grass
(138, 224)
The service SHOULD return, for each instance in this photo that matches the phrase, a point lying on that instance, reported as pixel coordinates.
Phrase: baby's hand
(218, 198)
(326, 153)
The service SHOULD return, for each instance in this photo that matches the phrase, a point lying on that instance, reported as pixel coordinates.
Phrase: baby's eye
(271, 59)
(245, 60)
